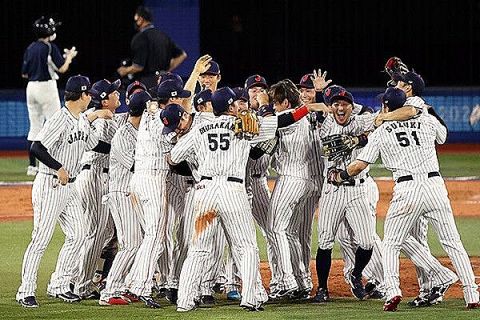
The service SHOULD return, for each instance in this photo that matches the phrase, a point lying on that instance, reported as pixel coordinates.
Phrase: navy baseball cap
(413, 79)
(214, 69)
(222, 99)
(394, 98)
(256, 80)
(171, 89)
(135, 87)
(138, 102)
(78, 84)
(104, 87)
(331, 91)
(341, 95)
(266, 110)
(240, 94)
(202, 97)
(162, 77)
(306, 81)
(171, 116)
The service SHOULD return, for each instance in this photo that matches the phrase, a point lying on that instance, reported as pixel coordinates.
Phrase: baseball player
(407, 149)
(214, 145)
(59, 147)
(433, 278)
(344, 202)
(149, 184)
(210, 78)
(185, 221)
(254, 85)
(123, 204)
(92, 185)
(41, 62)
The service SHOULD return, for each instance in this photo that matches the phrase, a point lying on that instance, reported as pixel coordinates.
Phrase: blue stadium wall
(455, 105)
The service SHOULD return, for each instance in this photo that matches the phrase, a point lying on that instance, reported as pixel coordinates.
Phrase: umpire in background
(152, 51)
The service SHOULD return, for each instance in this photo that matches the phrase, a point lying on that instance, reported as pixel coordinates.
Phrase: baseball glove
(246, 125)
(337, 146)
(333, 177)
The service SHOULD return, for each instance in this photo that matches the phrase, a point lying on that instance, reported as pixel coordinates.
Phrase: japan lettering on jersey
(406, 147)
(66, 139)
(357, 125)
(122, 158)
(218, 151)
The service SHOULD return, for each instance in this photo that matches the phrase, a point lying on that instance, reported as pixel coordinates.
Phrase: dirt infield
(15, 204)
(409, 284)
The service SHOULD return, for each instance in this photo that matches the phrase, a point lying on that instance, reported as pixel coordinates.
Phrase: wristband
(299, 113)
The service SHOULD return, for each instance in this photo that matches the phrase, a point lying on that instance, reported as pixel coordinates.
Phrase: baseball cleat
(130, 297)
(357, 288)
(219, 287)
(206, 301)
(321, 296)
(113, 301)
(94, 295)
(419, 302)
(68, 297)
(392, 304)
(28, 302)
(474, 305)
(149, 302)
(172, 295)
(234, 296)
(286, 293)
(300, 294)
(373, 292)
(436, 293)
(253, 309)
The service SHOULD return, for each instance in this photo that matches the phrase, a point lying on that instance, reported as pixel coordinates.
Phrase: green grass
(14, 237)
(14, 169)
(451, 165)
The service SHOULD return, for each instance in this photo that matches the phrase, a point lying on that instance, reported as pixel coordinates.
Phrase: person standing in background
(42, 61)
(152, 51)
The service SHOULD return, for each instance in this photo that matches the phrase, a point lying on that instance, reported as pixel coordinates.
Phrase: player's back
(151, 144)
(220, 153)
(408, 147)
(122, 157)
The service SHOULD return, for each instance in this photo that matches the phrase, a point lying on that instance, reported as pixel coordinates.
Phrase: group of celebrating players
(164, 198)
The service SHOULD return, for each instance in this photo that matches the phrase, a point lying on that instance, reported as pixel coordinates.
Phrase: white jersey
(218, 151)
(66, 139)
(357, 125)
(315, 161)
(106, 129)
(293, 152)
(416, 102)
(122, 158)
(406, 147)
(151, 145)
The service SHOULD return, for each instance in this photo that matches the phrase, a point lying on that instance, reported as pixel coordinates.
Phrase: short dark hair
(145, 13)
(72, 96)
(285, 89)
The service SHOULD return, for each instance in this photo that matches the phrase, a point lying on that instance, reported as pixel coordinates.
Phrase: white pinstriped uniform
(92, 185)
(222, 156)
(149, 184)
(66, 138)
(124, 207)
(430, 270)
(291, 204)
(348, 203)
(407, 148)
(259, 196)
(183, 223)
